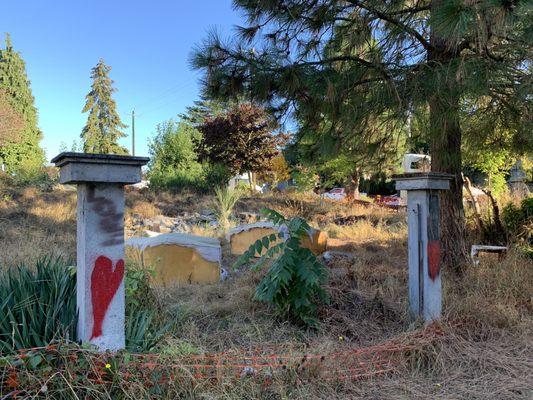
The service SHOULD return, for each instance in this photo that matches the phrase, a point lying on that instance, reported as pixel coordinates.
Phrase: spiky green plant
(225, 200)
(37, 306)
(294, 280)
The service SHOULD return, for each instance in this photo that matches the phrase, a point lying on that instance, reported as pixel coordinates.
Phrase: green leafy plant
(37, 306)
(144, 327)
(225, 200)
(295, 278)
(519, 223)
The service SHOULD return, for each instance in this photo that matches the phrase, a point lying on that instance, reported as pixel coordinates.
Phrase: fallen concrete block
(242, 237)
(317, 241)
(179, 259)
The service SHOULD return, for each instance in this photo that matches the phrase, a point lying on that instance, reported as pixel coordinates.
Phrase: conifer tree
(104, 127)
(344, 60)
(20, 153)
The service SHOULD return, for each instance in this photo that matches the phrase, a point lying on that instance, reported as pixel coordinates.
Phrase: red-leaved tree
(242, 139)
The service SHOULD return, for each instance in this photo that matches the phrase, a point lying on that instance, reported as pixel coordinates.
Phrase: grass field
(485, 351)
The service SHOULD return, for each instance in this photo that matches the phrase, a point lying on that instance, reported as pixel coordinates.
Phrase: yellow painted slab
(241, 241)
(241, 237)
(179, 259)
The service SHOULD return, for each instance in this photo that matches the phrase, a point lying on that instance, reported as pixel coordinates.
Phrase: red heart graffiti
(434, 259)
(104, 284)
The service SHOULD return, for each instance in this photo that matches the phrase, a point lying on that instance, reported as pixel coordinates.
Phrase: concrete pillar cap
(99, 168)
(423, 181)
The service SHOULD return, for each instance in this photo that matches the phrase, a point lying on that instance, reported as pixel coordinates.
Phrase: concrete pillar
(423, 216)
(518, 180)
(100, 179)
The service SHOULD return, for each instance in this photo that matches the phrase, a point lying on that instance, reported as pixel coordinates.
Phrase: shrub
(294, 280)
(174, 162)
(143, 327)
(306, 178)
(225, 200)
(519, 223)
(38, 307)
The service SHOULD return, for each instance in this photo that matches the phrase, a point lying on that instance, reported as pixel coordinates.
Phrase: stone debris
(179, 258)
(184, 223)
(249, 217)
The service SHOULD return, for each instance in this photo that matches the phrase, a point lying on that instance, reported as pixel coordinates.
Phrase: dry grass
(486, 353)
(33, 223)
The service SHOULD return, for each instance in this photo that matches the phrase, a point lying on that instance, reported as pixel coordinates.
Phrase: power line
(166, 93)
(162, 105)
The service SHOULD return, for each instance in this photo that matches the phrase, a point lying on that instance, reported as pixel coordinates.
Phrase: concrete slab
(179, 258)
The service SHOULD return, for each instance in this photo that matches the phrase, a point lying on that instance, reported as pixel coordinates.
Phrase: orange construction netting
(346, 364)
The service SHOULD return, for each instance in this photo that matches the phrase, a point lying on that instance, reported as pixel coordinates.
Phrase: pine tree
(20, 154)
(104, 127)
(340, 59)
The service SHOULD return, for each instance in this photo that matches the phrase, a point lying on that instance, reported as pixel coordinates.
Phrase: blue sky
(147, 43)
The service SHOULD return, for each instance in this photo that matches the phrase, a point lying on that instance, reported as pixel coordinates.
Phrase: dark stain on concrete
(111, 221)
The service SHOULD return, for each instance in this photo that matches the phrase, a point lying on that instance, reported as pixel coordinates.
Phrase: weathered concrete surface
(179, 258)
(241, 237)
(422, 181)
(317, 241)
(103, 168)
(100, 267)
(423, 215)
(100, 242)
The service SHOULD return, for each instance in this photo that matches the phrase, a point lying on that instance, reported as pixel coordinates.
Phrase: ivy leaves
(294, 280)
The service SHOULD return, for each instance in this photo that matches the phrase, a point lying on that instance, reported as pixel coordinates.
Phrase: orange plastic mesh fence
(348, 364)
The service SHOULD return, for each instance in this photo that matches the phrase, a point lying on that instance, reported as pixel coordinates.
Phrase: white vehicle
(334, 194)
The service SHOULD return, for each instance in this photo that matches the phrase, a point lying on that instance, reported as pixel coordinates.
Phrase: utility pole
(133, 133)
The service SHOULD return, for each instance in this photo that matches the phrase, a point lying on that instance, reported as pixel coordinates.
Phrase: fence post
(100, 180)
(423, 217)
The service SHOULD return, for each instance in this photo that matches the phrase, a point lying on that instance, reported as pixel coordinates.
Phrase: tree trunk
(352, 191)
(475, 204)
(250, 180)
(445, 149)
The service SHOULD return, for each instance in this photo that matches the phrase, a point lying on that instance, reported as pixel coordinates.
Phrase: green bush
(225, 200)
(144, 324)
(294, 280)
(519, 223)
(202, 179)
(38, 307)
(305, 178)
(174, 161)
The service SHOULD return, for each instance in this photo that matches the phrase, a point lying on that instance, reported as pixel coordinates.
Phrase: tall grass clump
(225, 200)
(37, 306)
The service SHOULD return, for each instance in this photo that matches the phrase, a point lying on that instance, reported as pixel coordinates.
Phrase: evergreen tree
(386, 59)
(204, 108)
(11, 123)
(20, 154)
(104, 127)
